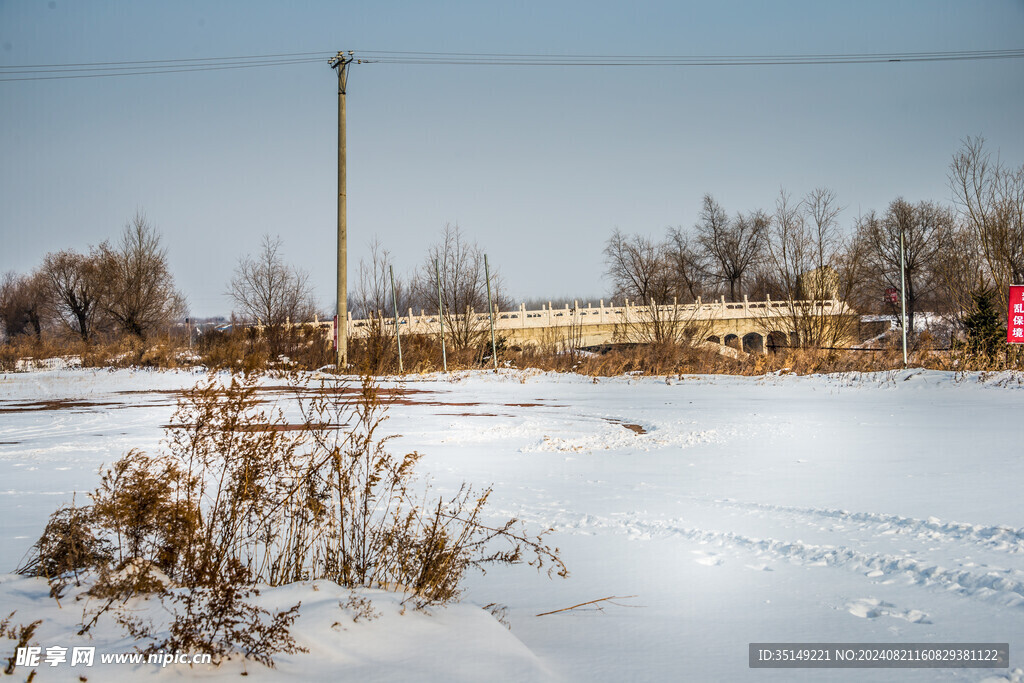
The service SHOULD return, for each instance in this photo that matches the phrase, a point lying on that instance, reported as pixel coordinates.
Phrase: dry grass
(679, 359)
(422, 354)
(225, 507)
(27, 347)
(243, 350)
(22, 637)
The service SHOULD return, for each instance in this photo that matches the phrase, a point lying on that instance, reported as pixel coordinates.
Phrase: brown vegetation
(225, 507)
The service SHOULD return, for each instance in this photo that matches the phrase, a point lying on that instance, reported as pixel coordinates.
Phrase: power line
(46, 72)
(507, 59)
(41, 72)
(151, 71)
(619, 56)
(170, 61)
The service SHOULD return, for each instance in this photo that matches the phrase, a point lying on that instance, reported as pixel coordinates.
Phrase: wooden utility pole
(490, 310)
(340, 64)
(440, 314)
(903, 297)
(398, 334)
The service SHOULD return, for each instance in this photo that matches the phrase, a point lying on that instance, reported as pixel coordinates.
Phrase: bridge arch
(753, 343)
(732, 340)
(777, 341)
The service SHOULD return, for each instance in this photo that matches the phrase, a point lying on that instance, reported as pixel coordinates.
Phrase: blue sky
(538, 165)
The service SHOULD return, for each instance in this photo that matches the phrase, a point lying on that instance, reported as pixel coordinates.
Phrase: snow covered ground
(880, 508)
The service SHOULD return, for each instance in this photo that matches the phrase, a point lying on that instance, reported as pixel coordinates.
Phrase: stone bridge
(752, 326)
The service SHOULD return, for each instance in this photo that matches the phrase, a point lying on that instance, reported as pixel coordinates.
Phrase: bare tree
(637, 267)
(810, 264)
(372, 294)
(687, 265)
(654, 276)
(23, 304)
(75, 289)
(463, 288)
(269, 292)
(733, 246)
(962, 272)
(990, 199)
(138, 288)
(373, 303)
(923, 227)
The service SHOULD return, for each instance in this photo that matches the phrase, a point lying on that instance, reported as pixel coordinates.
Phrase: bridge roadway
(746, 325)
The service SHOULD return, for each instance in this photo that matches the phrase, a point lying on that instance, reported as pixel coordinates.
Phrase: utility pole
(340, 64)
(490, 309)
(903, 297)
(398, 335)
(440, 314)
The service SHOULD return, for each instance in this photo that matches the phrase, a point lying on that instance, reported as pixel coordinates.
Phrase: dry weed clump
(241, 497)
(160, 351)
(240, 350)
(27, 348)
(22, 636)
(243, 349)
(377, 354)
(237, 350)
(66, 548)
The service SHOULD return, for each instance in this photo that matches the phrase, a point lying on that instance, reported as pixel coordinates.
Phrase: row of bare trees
(268, 292)
(451, 279)
(796, 252)
(799, 252)
(793, 255)
(121, 287)
(989, 196)
(127, 288)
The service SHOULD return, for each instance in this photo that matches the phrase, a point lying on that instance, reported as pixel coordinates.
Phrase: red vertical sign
(335, 333)
(1015, 316)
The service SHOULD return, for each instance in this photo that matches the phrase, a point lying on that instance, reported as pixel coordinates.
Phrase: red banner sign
(1015, 316)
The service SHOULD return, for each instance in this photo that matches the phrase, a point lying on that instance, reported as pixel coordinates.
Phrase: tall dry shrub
(240, 496)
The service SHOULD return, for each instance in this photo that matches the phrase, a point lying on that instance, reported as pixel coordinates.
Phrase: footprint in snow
(760, 567)
(872, 608)
(707, 559)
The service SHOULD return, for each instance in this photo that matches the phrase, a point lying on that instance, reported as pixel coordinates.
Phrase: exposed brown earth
(56, 404)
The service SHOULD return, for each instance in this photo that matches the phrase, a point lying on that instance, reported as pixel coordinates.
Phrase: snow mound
(390, 641)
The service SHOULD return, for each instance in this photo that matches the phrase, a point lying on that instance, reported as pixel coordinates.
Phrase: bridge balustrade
(628, 313)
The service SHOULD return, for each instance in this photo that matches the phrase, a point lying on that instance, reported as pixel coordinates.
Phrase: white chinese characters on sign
(1015, 316)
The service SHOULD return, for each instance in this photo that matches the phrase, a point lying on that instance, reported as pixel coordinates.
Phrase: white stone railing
(629, 313)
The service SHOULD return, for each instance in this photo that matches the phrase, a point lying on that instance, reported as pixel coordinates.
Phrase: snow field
(876, 508)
